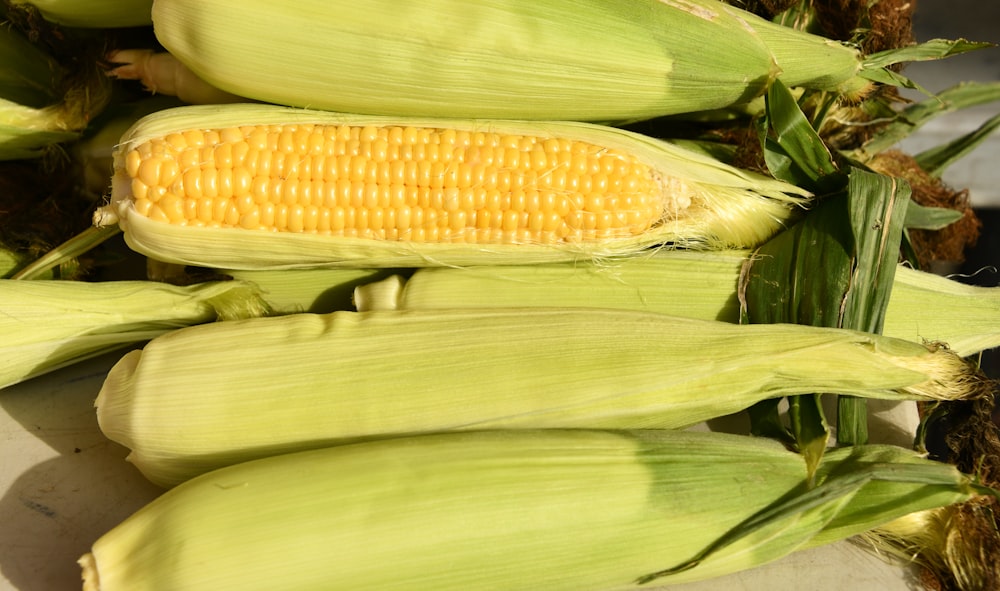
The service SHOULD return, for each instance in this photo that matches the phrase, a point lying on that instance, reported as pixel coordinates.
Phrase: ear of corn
(257, 186)
(30, 117)
(560, 510)
(704, 285)
(102, 14)
(25, 132)
(304, 381)
(504, 59)
(98, 317)
(42, 103)
(95, 318)
(29, 74)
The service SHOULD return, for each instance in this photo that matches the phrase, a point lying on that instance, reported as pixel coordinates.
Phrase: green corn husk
(503, 59)
(103, 14)
(53, 324)
(519, 511)
(316, 291)
(705, 285)
(305, 381)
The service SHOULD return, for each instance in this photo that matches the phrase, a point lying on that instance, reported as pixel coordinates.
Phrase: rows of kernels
(395, 183)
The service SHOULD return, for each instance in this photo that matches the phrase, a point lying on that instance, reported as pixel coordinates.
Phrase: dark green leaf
(794, 150)
(811, 431)
(890, 78)
(937, 159)
(923, 217)
(915, 116)
(765, 421)
(877, 205)
(934, 49)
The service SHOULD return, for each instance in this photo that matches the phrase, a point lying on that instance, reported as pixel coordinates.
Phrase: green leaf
(793, 150)
(915, 116)
(877, 204)
(890, 78)
(834, 268)
(811, 431)
(830, 502)
(923, 217)
(937, 159)
(765, 421)
(934, 49)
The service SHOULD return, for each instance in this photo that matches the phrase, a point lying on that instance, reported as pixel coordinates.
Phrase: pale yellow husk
(545, 60)
(49, 324)
(922, 306)
(191, 401)
(515, 510)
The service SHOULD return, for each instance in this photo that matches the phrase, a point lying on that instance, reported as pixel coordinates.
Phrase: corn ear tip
(950, 377)
(88, 566)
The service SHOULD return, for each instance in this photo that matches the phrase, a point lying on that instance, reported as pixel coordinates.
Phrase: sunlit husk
(98, 317)
(515, 510)
(307, 380)
(547, 60)
(922, 306)
(26, 132)
(50, 324)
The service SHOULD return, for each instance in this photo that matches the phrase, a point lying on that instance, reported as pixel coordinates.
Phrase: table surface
(63, 484)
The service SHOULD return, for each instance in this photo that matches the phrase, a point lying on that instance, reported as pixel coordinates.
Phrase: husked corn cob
(516, 510)
(244, 186)
(587, 60)
(191, 401)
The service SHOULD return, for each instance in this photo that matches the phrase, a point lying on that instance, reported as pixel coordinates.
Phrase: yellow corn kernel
(271, 187)
(615, 194)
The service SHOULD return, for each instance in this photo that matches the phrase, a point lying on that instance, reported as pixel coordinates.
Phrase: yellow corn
(252, 173)
(396, 183)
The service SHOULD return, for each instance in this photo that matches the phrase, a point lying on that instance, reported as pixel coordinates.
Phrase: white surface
(63, 484)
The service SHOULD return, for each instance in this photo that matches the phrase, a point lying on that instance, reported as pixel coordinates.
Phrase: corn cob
(258, 186)
(504, 59)
(308, 380)
(922, 306)
(556, 510)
